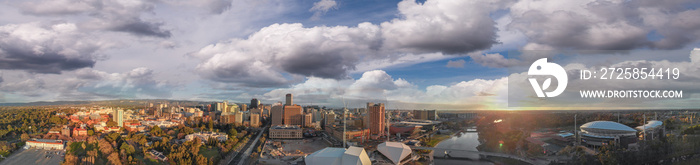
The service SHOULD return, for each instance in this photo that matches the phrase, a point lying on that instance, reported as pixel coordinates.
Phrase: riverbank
(435, 139)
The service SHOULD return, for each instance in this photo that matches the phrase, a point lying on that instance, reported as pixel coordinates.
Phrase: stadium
(598, 133)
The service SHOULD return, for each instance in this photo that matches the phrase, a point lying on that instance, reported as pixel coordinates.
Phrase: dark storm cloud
(119, 16)
(325, 65)
(46, 48)
(50, 62)
(450, 27)
(602, 25)
(139, 27)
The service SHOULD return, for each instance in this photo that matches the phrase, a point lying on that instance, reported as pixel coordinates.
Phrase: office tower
(277, 114)
(308, 119)
(255, 120)
(239, 118)
(254, 103)
(244, 107)
(120, 118)
(293, 115)
(289, 99)
(377, 118)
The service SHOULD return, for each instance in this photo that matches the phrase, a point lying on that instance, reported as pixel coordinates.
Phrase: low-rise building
(79, 132)
(46, 144)
(285, 132)
(204, 136)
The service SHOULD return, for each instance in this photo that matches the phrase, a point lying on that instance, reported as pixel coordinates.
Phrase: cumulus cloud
(275, 54)
(31, 87)
(455, 64)
(326, 52)
(494, 60)
(137, 82)
(47, 48)
(606, 25)
(114, 15)
(378, 85)
(321, 7)
(451, 27)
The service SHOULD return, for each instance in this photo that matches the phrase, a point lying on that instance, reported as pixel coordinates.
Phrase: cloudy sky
(435, 54)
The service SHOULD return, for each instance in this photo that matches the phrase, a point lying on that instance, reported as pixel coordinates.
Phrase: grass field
(436, 139)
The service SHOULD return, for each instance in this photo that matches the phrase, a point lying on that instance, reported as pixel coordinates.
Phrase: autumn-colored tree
(24, 137)
(114, 159)
(105, 147)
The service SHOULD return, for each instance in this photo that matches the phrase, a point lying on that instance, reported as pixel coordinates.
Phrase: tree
(128, 149)
(211, 125)
(105, 147)
(91, 132)
(232, 133)
(114, 159)
(24, 137)
(156, 131)
(112, 123)
(56, 120)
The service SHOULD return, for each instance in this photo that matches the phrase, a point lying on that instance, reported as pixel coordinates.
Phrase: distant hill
(106, 102)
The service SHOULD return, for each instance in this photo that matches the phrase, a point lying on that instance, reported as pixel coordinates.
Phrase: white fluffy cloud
(265, 56)
(282, 53)
(378, 85)
(321, 7)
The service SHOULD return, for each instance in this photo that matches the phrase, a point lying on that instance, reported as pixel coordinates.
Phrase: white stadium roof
(607, 126)
(650, 125)
(339, 156)
(395, 151)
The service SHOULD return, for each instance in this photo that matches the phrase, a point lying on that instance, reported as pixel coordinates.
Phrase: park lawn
(208, 152)
(436, 139)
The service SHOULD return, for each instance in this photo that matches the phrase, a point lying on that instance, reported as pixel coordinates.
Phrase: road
(240, 157)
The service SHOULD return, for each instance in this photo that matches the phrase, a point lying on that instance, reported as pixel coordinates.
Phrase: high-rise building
(308, 119)
(239, 118)
(277, 114)
(254, 103)
(316, 115)
(227, 118)
(244, 107)
(120, 118)
(255, 120)
(293, 115)
(425, 114)
(290, 100)
(330, 118)
(377, 121)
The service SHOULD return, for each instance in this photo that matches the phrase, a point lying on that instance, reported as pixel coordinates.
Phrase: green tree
(128, 149)
(112, 123)
(91, 132)
(156, 131)
(232, 133)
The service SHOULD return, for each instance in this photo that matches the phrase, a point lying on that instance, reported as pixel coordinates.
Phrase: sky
(432, 54)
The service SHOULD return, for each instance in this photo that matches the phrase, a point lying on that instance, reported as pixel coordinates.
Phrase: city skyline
(411, 55)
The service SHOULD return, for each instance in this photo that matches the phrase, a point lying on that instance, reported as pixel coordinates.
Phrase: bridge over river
(482, 154)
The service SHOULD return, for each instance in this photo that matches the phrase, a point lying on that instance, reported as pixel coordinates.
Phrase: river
(465, 141)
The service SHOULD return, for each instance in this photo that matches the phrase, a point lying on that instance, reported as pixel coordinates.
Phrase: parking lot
(34, 157)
